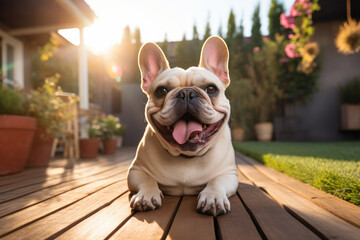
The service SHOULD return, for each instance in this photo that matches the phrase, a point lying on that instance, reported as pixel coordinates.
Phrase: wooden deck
(89, 200)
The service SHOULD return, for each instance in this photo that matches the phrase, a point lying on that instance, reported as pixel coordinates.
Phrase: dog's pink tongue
(183, 130)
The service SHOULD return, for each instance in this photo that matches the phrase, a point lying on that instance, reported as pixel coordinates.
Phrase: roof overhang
(24, 17)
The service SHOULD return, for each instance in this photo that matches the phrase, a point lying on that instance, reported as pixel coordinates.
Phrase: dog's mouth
(188, 131)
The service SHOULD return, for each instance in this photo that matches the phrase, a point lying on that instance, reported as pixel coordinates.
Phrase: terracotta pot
(89, 148)
(41, 148)
(350, 116)
(237, 134)
(109, 145)
(264, 131)
(16, 137)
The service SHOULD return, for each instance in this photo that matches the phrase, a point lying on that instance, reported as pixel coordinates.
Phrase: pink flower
(256, 49)
(287, 21)
(284, 60)
(290, 36)
(290, 51)
(307, 5)
(294, 12)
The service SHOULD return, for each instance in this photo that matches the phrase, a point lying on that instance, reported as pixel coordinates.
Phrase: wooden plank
(58, 222)
(20, 218)
(90, 167)
(321, 221)
(20, 192)
(272, 219)
(189, 224)
(237, 224)
(101, 224)
(52, 171)
(44, 194)
(343, 209)
(151, 223)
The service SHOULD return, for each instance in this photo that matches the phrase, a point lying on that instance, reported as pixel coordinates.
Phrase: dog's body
(186, 148)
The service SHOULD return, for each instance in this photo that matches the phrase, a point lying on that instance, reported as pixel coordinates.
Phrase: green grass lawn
(333, 167)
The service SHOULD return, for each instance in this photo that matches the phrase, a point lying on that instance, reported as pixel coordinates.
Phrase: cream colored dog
(186, 148)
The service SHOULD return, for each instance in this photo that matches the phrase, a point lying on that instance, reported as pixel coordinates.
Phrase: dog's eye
(211, 89)
(161, 92)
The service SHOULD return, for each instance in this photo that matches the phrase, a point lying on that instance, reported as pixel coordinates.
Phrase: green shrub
(50, 110)
(11, 102)
(350, 92)
(109, 126)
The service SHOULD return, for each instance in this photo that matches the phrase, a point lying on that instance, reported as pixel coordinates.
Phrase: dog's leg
(148, 195)
(213, 199)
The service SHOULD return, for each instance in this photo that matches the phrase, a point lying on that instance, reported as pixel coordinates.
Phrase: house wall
(320, 117)
(133, 102)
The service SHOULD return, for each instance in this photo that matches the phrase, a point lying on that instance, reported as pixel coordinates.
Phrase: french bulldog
(186, 148)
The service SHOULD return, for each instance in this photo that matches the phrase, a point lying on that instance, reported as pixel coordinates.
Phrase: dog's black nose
(187, 94)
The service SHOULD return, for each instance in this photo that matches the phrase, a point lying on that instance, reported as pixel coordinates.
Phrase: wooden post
(83, 83)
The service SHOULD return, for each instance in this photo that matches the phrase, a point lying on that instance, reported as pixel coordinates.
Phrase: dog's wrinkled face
(187, 109)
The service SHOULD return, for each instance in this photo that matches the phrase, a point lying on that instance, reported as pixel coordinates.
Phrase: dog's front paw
(212, 203)
(146, 200)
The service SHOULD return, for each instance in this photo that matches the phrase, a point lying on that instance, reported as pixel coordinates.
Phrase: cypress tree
(207, 31)
(275, 11)
(231, 26)
(220, 32)
(256, 37)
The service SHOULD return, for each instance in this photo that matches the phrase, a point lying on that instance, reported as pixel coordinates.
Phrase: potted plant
(16, 131)
(110, 127)
(241, 97)
(50, 112)
(263, 72)
(89, 147)
(350, 107)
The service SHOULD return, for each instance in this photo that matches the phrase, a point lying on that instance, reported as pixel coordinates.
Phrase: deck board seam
(171, 220)
(253, 218)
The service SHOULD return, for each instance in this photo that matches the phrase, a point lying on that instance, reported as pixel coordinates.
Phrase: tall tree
(276, 9)
(207, 33)
(137, 37)
(220, 32)
(181, 53)
(165, 46)
(195, 33)
(231, 31)
(256, 37)
(126, 37)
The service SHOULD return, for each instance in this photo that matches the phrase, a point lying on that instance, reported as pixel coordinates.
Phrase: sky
(173, 18)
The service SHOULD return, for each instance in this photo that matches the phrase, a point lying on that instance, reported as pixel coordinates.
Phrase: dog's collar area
(188, 156)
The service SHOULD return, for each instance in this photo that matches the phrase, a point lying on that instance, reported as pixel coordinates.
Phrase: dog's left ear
(215, 58)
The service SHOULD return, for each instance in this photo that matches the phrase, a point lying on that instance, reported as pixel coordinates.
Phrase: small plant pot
(237, 134)
(16, 137)
(89, 148)
(264, 131)
(109, 145)
(350, 116)
(119, 141)
(40, 153)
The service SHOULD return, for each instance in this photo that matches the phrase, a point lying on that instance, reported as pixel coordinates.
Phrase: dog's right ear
(152, 62)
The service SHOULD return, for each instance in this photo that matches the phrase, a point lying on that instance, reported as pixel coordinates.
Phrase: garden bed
(332, 167)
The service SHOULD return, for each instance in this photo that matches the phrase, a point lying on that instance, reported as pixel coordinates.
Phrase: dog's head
(186, 109)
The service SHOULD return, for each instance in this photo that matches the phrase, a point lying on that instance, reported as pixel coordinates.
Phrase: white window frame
(18, 47)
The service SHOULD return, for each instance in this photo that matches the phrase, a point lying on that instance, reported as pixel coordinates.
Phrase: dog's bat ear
(215, 58)
(152, 62)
